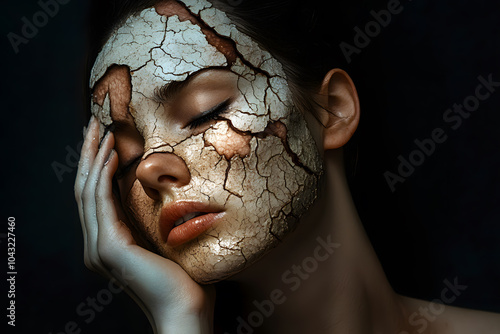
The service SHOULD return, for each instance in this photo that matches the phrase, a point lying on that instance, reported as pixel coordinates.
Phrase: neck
(325, 277)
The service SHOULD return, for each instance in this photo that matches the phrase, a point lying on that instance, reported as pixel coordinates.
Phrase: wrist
(186, 324)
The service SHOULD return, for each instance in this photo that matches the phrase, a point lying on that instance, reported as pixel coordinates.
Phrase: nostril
(152, 193)
(167, 178)
(159, 173)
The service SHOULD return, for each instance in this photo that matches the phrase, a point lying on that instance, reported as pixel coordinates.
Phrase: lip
(178, 235)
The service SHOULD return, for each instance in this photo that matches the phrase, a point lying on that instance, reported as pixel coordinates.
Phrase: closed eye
(127, 166)
(209, 115)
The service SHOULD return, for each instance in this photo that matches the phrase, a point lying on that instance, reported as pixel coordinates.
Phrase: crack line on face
(229, 40)
(154, 48)
(264, 134)
(272, 233)
(225, 181)
(172, 8)
(110, 77)
(219, 241)
(242, 171)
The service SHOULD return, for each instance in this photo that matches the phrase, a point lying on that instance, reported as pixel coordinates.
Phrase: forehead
(176, 39)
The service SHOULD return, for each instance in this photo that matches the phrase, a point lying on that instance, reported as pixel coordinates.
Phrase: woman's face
(216, 164)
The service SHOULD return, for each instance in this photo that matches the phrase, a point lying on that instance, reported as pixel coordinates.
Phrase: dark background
(442, 223)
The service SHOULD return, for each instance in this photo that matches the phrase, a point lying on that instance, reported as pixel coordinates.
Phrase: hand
(173, 302)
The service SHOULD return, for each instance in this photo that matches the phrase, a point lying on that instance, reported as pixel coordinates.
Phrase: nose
(161, 172)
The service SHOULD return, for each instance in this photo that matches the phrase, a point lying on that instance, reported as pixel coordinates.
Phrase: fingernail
(105, 137)
(110, 156)
(86, 128)
(90, 121)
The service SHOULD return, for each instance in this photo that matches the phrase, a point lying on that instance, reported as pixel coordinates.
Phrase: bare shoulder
(426, 317)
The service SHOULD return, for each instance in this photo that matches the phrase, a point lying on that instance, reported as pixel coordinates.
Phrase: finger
(89, 201)
(88, 153)
(113, 235)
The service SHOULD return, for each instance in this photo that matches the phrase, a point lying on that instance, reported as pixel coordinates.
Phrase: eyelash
(209, 115)
(120, 173)
(205, 117)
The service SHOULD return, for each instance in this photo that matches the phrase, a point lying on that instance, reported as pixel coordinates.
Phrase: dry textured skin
(114, 91)
(259, 160)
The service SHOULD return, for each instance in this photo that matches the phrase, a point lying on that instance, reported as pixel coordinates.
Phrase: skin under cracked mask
(216, 163)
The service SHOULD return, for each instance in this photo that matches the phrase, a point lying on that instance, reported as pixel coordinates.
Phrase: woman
(209, 158)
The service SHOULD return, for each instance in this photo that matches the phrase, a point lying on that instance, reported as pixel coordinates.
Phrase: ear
(340, 102)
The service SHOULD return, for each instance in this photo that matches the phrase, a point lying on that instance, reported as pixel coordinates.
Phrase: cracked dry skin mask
(207, 136)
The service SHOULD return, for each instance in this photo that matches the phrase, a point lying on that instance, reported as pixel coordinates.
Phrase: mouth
(187, 217)
(181, 222)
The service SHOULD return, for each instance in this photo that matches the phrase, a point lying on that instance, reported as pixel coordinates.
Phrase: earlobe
(341, 113)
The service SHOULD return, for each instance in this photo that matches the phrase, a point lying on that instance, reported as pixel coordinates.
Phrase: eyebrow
(168, 92)
(162, 94)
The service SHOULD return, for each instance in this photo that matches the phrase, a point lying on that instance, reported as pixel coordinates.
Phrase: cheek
(229, 142)
(266, 193)
(142, 210)
(265, 179)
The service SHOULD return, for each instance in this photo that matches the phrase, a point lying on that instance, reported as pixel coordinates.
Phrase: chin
(225, 251)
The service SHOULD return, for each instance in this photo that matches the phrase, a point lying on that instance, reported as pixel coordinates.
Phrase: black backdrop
(442, 222)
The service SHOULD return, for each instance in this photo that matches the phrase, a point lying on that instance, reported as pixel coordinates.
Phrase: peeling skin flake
(256, 158)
